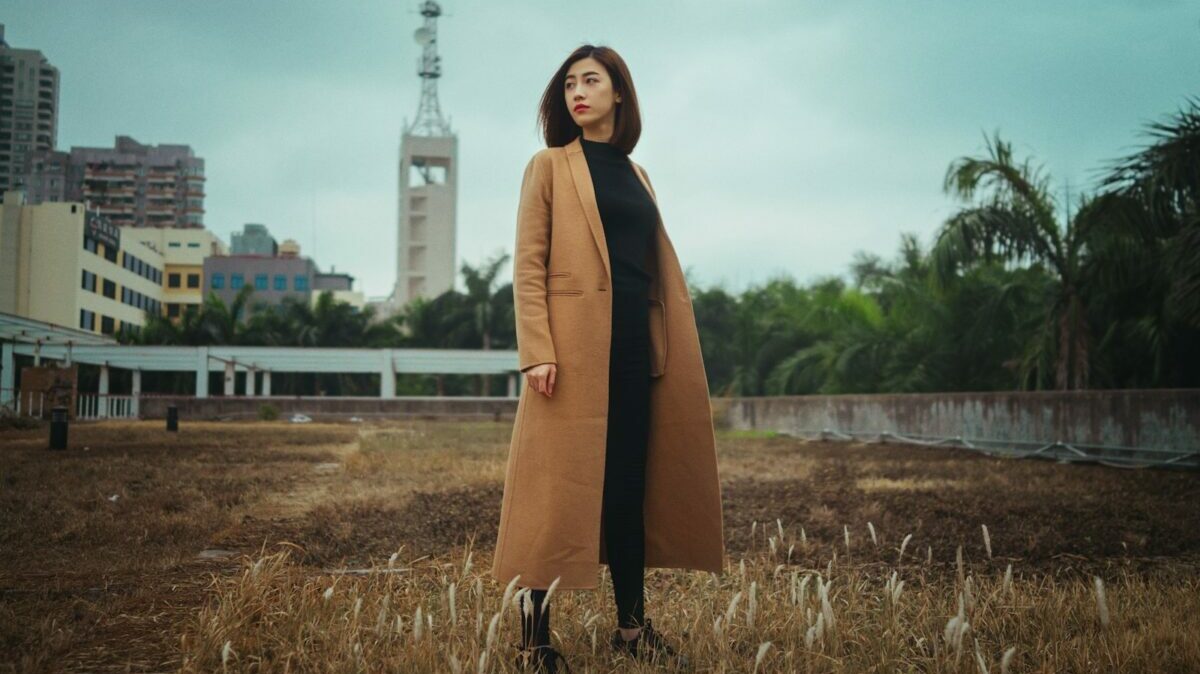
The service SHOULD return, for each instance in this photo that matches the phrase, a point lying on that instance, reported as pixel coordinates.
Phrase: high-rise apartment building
(139, 185)
(28, 108)
(254, 239)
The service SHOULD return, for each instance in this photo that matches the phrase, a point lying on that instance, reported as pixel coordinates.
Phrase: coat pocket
(658, 337)
(563, 292)
(557, 274)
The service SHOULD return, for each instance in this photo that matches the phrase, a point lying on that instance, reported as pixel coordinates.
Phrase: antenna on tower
(429, 120)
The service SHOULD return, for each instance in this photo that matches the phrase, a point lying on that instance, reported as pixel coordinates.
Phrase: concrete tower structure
(426, 249)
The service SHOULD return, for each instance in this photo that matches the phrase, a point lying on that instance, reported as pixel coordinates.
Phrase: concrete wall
(1145, 419)
(237, 407)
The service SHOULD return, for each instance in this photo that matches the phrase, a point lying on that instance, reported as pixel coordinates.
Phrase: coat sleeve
(534, 343)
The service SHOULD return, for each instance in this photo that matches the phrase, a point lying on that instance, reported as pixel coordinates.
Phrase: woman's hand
(541, 378)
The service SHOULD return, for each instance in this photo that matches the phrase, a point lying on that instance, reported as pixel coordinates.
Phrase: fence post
(58, 428)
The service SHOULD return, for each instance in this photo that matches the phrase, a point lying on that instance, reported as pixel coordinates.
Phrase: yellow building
(183, 252)
(63, 265)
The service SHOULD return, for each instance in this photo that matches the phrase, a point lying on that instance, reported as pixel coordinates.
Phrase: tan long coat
(550, 515)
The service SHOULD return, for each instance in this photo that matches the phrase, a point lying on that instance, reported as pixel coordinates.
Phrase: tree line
(1017, 290)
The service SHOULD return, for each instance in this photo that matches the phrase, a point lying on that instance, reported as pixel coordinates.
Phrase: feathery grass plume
(393, 558)
(455, 666)
(956, 628)
(874, 540)
(482, 663)
(778, 568)
(762, 650)
(826, 607)
(478, 624)
(928, 555)
(779, 525)
(789, 555)
(508, 590)
(742, 569)
(453, 613)
(399, 624)
(328, 592)
(809, 636)
(987, 541)
(549, 593)
(894, 589)
(753, 528)
(903, 544)
(429, 621)
(983, 668)
(969, 594)
(1006, 659)
(1101, 601)
(804, 591)
(357, 608)
(792, 586)
(846, 534)
(1007, 585)
(418, 625)
(771, 544)
(803, 537)
(717, 626)
(226, 653)
(829, 566)
(383, 612)
(737, 596)
(752, 605)
(492, 626)
(257, 567)
(958, 562)
(467, 563)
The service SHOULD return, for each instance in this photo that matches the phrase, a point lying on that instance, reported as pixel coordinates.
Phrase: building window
(193, 244)
(280, 282)
(236, 281)
(260, 281)
(173, 244)
(301, 282)
(172, 309)
(106, 325)
(89, 281)
(218, 281)
(173, 280)
(110, 289)
(87, 320)
(110, 254)
(89, 244)
(193, 280)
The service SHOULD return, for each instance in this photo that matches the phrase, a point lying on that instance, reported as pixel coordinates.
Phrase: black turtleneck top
(627, 212)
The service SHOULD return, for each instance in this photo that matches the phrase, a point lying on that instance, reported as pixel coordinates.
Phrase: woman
(613, 455)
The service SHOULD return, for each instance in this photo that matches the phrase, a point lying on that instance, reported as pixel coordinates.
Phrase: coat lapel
(587, 196)
(582, 177)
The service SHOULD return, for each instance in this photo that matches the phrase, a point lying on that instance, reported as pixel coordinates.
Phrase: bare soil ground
(98, 544)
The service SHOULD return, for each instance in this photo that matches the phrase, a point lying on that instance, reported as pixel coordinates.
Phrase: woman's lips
(580, 108)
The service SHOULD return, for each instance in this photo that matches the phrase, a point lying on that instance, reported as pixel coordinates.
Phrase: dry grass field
(355, 548)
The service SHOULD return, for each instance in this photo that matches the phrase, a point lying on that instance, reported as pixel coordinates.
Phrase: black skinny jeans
(624, 467)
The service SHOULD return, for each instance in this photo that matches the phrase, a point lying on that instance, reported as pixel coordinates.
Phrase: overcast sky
(781, 136)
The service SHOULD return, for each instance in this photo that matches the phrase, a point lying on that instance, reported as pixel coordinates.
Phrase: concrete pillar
(387, 375)
(230, 378)
(250, 375)
(266, 386)
(137, 394)
(8, 374)
(512, 384)
(202, 372)
(37, 353)
(103, 407)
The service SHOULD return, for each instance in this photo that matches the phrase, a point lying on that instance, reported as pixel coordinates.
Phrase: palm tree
(1013, 221)
(482, 299)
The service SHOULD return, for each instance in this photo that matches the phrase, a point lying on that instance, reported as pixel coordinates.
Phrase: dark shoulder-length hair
(559, 128)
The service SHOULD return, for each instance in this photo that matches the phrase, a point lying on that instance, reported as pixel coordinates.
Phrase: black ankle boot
(649, 646)
(541, 659)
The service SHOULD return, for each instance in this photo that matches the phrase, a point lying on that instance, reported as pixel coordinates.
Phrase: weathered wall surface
(1144, 419)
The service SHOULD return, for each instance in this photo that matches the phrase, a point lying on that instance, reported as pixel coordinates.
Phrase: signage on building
(101, 229)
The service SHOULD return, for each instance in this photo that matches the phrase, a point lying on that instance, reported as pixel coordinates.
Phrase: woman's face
(589, 94)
